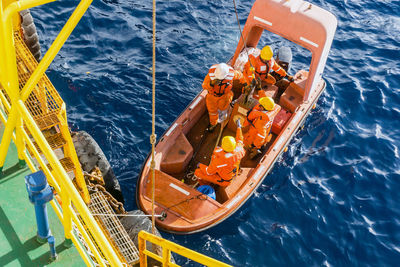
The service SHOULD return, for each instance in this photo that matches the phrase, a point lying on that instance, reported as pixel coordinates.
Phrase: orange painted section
(186, 209)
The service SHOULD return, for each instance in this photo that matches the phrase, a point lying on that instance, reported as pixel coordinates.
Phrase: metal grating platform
(116, 232)
(55, 141)
(44, 102)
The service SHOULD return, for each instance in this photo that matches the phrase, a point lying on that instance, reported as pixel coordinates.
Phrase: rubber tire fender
(90, 155)
(31, 38)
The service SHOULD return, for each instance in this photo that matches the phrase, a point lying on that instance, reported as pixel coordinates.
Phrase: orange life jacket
(226, 164)
(259, 118)
(261, 69)
(221, 88)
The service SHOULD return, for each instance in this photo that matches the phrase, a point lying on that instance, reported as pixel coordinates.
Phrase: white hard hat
(221, 71)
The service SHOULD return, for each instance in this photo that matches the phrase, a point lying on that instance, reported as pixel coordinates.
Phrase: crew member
(259, 67)
(225, 161)
(218, 82)
(260, 119)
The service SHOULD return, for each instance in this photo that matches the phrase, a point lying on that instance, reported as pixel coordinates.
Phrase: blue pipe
(42, 223)
(52, 243)
(40, 194)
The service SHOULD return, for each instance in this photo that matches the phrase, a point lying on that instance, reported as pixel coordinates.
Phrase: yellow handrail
(55, 47)
(168, 247)
(17, 111)
(82, 251)
(69, 189)
(72, 203)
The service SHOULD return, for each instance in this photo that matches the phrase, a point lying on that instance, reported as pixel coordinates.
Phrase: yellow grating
(47, 121)
(55, 141)
(115, 230)
(44, 99)
(66, 163)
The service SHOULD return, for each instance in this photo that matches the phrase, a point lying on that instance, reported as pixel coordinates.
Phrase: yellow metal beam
(169, 246)
(55, 47)
(69, 188)
(69, 149)
(18, 110)
(82, 251)
(10, 66)
(20, 140)
(7, 134)
(27, 158)
(16, 18)
(46, 170)
(88, 240)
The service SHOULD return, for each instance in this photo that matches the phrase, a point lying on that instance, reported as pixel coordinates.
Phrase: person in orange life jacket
(218, 82)
(225, 161)
(258, 69)
(260, 119)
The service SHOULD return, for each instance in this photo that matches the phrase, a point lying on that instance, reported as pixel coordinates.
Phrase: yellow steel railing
(167, 248)
(16, 113)
(17, 110)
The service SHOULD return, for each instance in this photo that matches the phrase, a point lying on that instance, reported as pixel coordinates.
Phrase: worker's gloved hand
(258, 91)
(246, 88)
(290, 78)
(253, 82)
(238, 123)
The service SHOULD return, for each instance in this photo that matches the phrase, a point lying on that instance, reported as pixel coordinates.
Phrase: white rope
(124, 215)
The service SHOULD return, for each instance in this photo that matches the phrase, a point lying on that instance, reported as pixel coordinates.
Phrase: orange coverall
(261, 70)
(219, 95)
(224, 165)
(260, 125)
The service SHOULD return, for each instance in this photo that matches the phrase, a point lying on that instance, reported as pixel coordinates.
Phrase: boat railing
(167, 248)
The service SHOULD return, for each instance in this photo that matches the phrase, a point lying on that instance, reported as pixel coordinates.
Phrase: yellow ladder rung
(66, 163)
(47, 121)
(55, 141)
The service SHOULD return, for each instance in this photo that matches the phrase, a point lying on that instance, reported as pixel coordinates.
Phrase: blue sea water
(331, 200)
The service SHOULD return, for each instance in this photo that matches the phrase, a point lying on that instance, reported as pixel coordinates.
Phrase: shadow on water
(313, 149)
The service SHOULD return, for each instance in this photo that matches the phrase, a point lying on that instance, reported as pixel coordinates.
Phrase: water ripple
(331, 200)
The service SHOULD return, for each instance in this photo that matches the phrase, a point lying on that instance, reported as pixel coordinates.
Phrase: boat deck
(18, 245)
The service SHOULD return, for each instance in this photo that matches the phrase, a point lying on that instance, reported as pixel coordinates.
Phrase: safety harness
(268, 69)
(232, 172)
(260, 117)
(222, 87)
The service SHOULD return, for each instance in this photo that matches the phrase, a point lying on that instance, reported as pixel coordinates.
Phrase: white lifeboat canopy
(297, 21)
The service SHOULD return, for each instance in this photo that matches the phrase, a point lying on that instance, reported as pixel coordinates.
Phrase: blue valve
(40, 194)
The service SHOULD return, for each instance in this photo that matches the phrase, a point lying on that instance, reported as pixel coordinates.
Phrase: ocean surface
(331, 200)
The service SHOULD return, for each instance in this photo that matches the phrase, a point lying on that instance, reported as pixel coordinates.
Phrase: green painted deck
(18, 245)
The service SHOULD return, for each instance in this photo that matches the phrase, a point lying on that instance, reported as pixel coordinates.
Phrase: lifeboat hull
(183, 209)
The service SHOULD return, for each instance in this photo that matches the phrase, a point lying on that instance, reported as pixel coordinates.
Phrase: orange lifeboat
(186, 210)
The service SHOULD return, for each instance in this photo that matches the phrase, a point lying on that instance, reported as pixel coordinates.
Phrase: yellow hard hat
(266, 53)
(267, 103)
(228, 143)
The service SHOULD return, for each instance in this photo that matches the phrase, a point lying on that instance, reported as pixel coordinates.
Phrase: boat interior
(193, 144)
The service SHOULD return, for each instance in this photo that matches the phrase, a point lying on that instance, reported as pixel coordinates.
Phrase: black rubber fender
(31, 37)
(90, 155)
(136, 223)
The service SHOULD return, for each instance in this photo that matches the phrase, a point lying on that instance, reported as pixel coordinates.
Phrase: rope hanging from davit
(153, 136)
